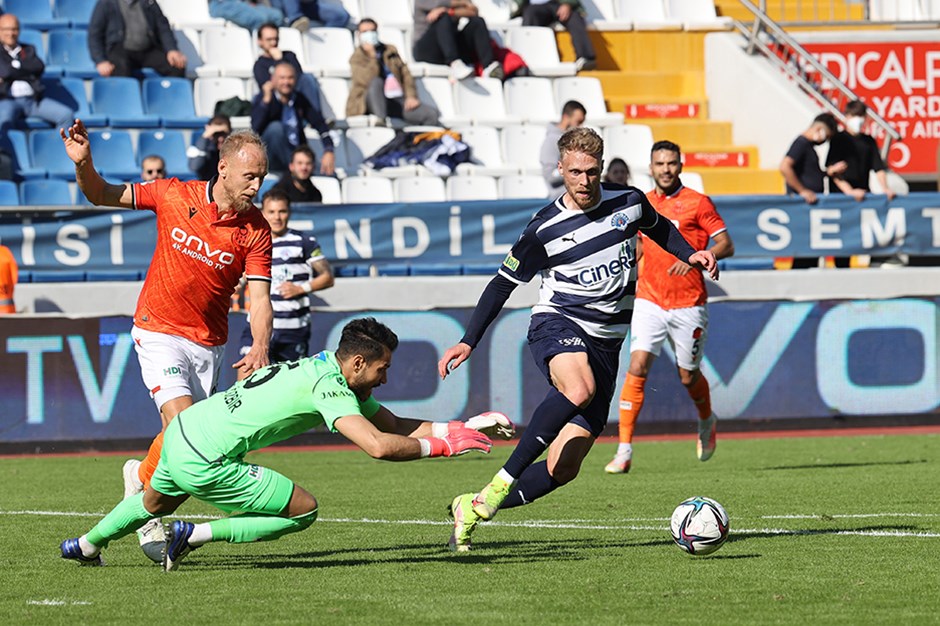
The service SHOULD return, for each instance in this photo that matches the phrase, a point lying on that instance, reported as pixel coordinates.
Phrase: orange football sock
(631, 401)
(701, 396)
(149, 465)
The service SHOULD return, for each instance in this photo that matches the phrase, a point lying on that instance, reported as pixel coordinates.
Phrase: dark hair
(666, 145)
(829, 120)
(283, 62)
(617, 161)
(276, 195)
(368, 337)
(221, 119)
(268, 25)
(571, 106)
(856, 108)
(368, 20)
(303, 149)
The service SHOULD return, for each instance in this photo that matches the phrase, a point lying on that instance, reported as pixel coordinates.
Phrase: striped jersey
(292, 256)
(585, 259)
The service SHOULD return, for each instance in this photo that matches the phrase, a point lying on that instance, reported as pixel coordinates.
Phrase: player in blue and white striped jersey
(298, 268)
(582, 246)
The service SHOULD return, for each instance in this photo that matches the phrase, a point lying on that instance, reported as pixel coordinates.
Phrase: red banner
(663, 110)
(901, 82)
(717, 159)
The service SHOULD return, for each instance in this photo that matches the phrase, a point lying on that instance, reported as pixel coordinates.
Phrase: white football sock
(625, 449)
(202, 533)
(88, 549)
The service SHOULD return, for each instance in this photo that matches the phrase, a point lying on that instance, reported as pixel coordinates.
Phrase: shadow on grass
(883, 528)
(839, 465)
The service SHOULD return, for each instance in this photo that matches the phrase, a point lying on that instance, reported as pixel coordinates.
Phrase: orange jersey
(198, 260)
(697, 220)
(8, 278)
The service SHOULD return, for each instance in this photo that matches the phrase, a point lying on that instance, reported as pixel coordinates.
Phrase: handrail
(785, 53)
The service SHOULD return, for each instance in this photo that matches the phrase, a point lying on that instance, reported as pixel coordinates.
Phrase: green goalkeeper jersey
(273, 404)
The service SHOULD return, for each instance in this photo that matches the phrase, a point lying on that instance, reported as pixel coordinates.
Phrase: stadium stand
(77, 12)
(521, 146)
(187, 41)
(462, 188)
(114, 154)
(34, 14)
(207, 91)
(481, 100)
(389, 14)
(367, 190)
(328, 51)
(697, 15)
(53, 192)
(22, 157)
(172, 100)
(437, 90)
(71, 91)
(9, 193)
(588, 91)
(420, 189)
(34, 38)
(647, 15)
(292, 40)
(630, 142)
(67, 53)
(227, 51)
(521, 186)
(333, 95)
(329, 188)
(536, 45)
(189, 14)
(486, 154)
(45, 147)
(362, 143)
(170, 145)
(119, 98)
(531, 99)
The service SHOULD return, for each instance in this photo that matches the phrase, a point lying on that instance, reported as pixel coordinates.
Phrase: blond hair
(581, 139)
(239, 140)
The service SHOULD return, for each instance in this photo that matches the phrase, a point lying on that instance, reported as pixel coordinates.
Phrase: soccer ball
(699, 525)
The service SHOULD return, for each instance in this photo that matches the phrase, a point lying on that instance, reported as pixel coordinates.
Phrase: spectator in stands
(279, 114)
(859, 152)
(21, 90)
(568, 13)
(268, 41)
(800, 166)
(152, 167)
(572, 116)
(298, 187)
(247, 14)
(382, 84)
(299, 13)
(617, 172)
(203, 156)
(8, 278)
(438, 38)
(127, 35)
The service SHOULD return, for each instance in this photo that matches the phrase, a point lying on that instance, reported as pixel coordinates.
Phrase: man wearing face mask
(860, 153)
(800, 166)
(382, 84)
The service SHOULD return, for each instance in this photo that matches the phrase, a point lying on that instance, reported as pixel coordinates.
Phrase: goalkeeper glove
(457, 441)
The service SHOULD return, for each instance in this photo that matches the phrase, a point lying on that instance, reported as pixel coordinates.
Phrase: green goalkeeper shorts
(228, 484)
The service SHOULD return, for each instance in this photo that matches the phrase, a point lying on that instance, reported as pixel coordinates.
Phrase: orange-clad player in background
(208, 235)
(670, 303)
(8, 278)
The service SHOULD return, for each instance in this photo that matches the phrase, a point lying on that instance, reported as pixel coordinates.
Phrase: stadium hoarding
(78, 379)
(474, 233)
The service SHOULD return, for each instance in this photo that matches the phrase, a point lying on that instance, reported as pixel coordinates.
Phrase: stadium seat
(693, 180)
(531, 99)
(187, 41)
(171, 99)
(189, 14)
(52, 192)
(170, 146)
(208, 91)
(697, 15)
(329, 188)
(339, 150)
(481, 100)
(77, 12)
(352, 7)
(521, 147)
(23, 168)
(586, 90)
(367, 190)
(33, 14)
(114, 154)
(333, 95)
(269, 181)
(67, 53)
(437, 91)
(485, 152)
(229, 51)
(420, 189)
(120, 99)
(71, 92)
(522, 186)
(642, 181)
(630, 142)
(536, 45)
(395, 37)
(463, 188)
(9, 194)
(601, 15)
(292, 40)
(362, 143)
(45, 147)
(328, 51)
(647, 15)
(389, 14)
(495, 12)
(34, 38)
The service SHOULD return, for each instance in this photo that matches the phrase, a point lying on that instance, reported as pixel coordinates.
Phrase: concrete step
(663, 86)
(721, 181)
(796, 11)
(691, 132)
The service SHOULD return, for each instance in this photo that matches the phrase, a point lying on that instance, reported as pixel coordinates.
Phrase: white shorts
(173, 367)
(686, 329)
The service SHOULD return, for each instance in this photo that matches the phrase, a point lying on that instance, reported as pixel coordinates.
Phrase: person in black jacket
(203, 155)
(21, 90)
(127, 35)
(269, 40)
(279, 114)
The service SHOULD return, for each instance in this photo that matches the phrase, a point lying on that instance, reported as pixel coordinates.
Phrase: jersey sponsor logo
(569, 238)
(571, 341)
(328, 395)
(604, 271)
(240, 236)
(173, 370)
(619, 221)
(233, 399)
(511, 262)
(193, 246)
(255, 471)
(192, 212)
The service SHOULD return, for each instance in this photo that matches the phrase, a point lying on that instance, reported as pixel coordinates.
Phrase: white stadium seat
(601, 15)
(485, 152)
(333, 95)
(189, 14)
(521, 147)
(396, 37)
(339, 149)
(329, 188)
(587, 90)
(536, 45)
(464, 188)
(532, 99)
(519, 186)
(328, 51)
(647, 15)
(641, 180)
(367, 190)
(693, 180)
(495, 12)
(292, 40)
(230, 50)
(187, 42)
(438, 91)
(630, 142)
(420, 189)
(481, 100)
(697, 15)
(388, 13)
(362, 143)
(207, 91)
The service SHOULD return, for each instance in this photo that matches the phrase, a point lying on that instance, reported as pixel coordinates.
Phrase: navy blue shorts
(286, 344)
(551, 334)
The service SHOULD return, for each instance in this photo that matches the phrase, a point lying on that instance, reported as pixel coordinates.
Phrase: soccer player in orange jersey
(208, 235)
(670, 303)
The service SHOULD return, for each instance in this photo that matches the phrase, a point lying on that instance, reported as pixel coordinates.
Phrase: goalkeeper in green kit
(204, 447)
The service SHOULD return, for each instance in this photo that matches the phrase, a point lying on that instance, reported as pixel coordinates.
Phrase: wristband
(308, 288)
(440, 429)
(434, 447)
(425, 448)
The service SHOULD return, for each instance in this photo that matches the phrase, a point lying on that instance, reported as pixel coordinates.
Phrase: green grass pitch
(835, 530)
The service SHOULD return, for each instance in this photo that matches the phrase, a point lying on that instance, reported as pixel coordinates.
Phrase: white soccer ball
(699, 525)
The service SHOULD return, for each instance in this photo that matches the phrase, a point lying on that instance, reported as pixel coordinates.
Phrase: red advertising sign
(662, 110)
(717, 159)
(901, 82)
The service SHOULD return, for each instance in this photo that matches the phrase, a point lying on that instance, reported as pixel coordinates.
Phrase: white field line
(585, 524)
